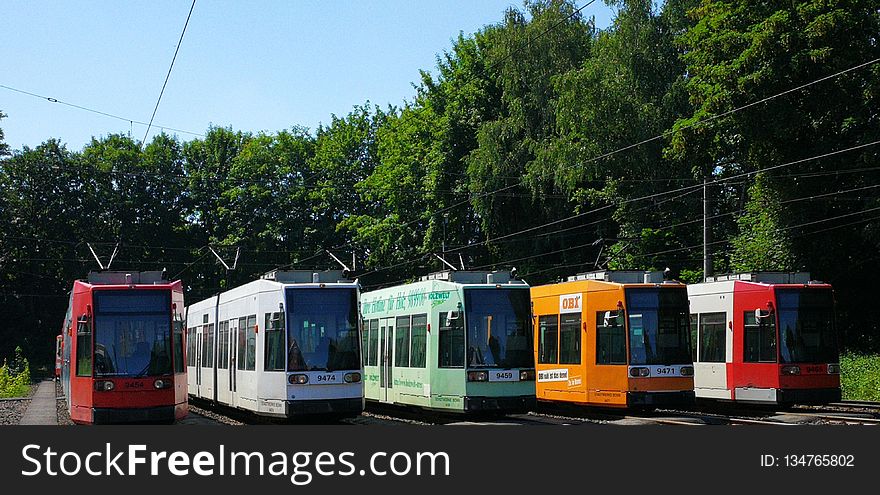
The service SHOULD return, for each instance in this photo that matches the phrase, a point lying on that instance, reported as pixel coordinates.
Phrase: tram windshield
(499, 330)
(806, 326)
(322, 330)
(132, 332)
(659, 326)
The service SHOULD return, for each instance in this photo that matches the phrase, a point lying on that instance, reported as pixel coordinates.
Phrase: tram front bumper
(515, 404)
(652, 399)
(808, 395)
(104, 415)
(351, 406)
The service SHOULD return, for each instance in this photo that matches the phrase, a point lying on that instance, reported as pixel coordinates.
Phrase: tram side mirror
(452, 316)
(610, 318)
(759, 313)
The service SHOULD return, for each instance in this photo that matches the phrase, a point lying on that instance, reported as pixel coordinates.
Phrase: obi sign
(570, 303)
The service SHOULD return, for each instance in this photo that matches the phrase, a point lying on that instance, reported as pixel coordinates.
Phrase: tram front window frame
(650, 314)
(806, 315)
(132, 333)
(513, 346)
(314, 342)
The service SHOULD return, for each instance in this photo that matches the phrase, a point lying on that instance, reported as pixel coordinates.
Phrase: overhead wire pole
(168, 75)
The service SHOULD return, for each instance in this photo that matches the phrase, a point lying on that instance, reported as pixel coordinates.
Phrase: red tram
(122, 349)
(764, 337)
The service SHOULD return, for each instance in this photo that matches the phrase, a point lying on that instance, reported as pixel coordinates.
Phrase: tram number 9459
(503, 376)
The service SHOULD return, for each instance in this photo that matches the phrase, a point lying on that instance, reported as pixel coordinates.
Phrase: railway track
(203, 413)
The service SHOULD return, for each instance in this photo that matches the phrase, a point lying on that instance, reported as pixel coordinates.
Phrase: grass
(860, 376)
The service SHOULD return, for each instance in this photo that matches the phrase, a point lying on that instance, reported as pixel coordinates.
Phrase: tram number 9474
(327, 378)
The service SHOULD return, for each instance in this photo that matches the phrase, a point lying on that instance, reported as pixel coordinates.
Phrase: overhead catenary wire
(99, 112)
(168, 75)
(641, 198)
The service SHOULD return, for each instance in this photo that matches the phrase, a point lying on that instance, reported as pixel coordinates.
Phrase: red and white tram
(122, 349)
(764, 337)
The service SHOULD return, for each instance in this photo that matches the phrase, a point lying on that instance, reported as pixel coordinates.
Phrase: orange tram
(121, 355)
(613, 339)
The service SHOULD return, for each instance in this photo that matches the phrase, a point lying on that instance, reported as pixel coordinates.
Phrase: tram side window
(83, 347)
(548, 339)
(401, 342)
(223, 345)
(242, 343)
(450, 352)
(418, 341)
(713, 340)
(374, 343)
(208, 343)
(193, 344)
(178, 345)
(759, 338)
(610, 338)
(694, 324)
(189, 346)
(570, 339)
(274, 359)
(365, 343)
(251, 363)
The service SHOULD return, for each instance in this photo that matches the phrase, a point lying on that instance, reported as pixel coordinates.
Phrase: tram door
(386, 365)
(233, 353)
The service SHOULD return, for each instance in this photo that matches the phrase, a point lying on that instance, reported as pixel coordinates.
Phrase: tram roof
(791, 278)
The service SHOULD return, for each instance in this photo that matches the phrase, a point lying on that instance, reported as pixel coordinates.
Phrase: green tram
(455, 341)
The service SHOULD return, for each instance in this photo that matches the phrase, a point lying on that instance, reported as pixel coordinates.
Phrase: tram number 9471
(664, 371)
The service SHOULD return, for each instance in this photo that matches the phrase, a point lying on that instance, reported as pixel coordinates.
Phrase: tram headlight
(478, 376)
(527, 375)
(639, 372)
(791, 370)
(104, 386)
(687, 371)
(160, 384)
(298, 379)
(833, 369)
(352, 377)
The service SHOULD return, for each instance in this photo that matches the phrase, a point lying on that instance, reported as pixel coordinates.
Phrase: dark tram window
(759, 338)
(401, 342)
(83, 347)
(419, 339)
(451, 346)
(251, 363)
(274, 352)
(548, 339)
(242, 343)
(694, 321)
(713, 340)
(223, 345)
(610, 338)
(178, 345)
(374, 343)
(570, 338)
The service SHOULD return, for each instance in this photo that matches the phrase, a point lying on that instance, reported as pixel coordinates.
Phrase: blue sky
(255, 66)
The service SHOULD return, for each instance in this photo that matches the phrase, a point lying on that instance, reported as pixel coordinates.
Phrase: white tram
(285, 345)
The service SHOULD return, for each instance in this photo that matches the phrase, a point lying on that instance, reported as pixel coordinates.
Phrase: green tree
(4, 148)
